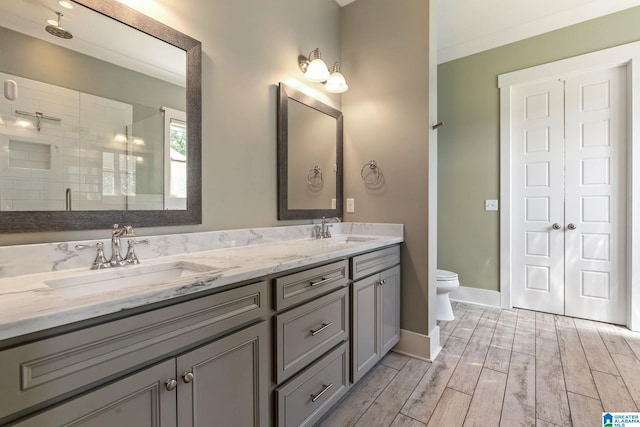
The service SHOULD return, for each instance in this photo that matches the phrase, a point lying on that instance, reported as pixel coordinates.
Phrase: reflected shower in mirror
(309, 156)
(103, 118)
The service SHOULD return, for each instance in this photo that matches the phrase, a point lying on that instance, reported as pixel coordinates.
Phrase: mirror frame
(33, 221)
(284, 94)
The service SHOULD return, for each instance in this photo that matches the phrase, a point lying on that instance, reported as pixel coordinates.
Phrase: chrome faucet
(322, 231)
(116, 260)
(117, 232)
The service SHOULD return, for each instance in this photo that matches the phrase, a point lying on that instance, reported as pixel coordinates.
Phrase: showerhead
(57, 29)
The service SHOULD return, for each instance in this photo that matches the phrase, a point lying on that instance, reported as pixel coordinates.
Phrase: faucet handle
(131, 257)
(100, 261)
(130, 232)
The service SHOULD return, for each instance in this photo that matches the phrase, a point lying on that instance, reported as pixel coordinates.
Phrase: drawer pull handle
(317, 331)
(382, 282)
(187, 377)
(170, 384)
(323, 391)
(323, 280)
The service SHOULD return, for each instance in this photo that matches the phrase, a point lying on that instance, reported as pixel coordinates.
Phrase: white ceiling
(470, 26)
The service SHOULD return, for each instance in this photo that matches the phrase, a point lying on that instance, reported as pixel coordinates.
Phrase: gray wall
(385, 53)
(248, 47)
(468, 159)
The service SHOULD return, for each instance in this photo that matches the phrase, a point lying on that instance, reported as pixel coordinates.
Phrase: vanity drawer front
(45, 369)
(299, 287)
(306, 398)
(305, 333)
(373, 262)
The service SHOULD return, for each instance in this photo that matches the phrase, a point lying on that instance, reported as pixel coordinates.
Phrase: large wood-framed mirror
(106, 124)
(309, 157)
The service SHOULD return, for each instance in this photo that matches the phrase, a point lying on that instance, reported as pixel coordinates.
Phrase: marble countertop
(35, 302)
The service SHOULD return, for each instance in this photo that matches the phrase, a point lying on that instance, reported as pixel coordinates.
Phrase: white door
(569, 139)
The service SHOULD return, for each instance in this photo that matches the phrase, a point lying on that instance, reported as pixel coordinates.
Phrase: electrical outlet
(333, 203)
(351, 205)
(490, 205)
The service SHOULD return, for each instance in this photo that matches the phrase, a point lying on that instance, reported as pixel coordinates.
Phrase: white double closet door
(569, 194)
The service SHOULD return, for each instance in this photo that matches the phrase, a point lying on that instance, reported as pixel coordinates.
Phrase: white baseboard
(476, 296)
(419, 346)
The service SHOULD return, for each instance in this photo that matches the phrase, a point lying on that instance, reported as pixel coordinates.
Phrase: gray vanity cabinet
(220, 384)
(375, 309)
(140, 400)
(311, 335)
(225, 383)
(212, 350)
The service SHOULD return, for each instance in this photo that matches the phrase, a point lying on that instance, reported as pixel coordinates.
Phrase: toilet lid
(445, 275)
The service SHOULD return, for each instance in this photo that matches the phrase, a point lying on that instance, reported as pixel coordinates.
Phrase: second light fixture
(315, 70)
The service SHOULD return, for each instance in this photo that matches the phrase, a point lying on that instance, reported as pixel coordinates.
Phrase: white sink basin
(350, 238)
(116, 278)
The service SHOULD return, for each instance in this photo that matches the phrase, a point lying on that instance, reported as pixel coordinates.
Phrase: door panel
(538, 122)
(569, 195)
(595, 255)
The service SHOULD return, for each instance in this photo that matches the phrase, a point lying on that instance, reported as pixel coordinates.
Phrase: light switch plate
(351, 205)
(490, 205)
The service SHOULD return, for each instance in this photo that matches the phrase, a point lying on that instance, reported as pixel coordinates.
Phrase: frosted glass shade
(317, 71)
(336, 83)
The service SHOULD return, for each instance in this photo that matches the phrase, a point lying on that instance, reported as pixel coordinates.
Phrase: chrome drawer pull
(317, 331)
(323, 280)
(170, 384)
(323, 391)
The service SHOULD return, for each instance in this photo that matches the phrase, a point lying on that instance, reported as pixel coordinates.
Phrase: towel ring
(374, 169)
(312, 176)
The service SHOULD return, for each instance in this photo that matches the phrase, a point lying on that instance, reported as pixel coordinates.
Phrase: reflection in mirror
(309, 156)
(102, 115)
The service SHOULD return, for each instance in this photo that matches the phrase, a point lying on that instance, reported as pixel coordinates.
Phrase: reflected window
(175, 158)
(178, 156)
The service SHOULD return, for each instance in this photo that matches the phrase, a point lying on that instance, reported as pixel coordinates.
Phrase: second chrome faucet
(116, 260)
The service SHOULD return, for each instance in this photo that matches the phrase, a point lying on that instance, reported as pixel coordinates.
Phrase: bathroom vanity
(266, 332)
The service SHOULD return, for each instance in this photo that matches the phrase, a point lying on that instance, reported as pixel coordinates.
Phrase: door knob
(572, 226)
(556, 226)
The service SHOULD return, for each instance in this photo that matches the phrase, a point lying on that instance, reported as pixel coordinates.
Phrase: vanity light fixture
(313, 67)
(336, 82)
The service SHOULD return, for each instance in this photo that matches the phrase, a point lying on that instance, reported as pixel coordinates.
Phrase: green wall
(469, 143)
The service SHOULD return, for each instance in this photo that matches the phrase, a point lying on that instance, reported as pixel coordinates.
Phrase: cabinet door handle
(323, 391)
(323, 280)
(381, 282)
(187, 377)
(170, 384)
(556, 226)
(572, 226)
(317, 331)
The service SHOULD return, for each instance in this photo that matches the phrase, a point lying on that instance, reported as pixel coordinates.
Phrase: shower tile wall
(37, 167)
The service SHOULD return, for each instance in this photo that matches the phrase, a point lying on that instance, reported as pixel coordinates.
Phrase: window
(175, 163)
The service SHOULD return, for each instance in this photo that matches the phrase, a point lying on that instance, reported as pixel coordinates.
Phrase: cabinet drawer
(42, 370)
(307, 397)
(304, 333)
(299, 287)
(373, 262)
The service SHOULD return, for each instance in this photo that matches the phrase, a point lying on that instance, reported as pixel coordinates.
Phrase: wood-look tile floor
(502, 368)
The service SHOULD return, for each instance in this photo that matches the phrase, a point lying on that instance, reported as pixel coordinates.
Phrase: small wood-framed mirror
(309, 157)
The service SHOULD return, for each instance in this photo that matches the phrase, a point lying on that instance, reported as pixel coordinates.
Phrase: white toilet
(447, 282)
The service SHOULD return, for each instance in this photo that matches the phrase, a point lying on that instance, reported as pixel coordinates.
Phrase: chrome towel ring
(373, 169)
(314, 176)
